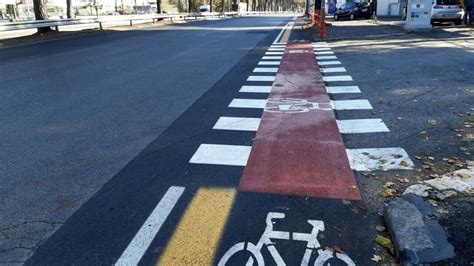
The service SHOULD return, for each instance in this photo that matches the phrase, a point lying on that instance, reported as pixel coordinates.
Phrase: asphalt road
(75, 112)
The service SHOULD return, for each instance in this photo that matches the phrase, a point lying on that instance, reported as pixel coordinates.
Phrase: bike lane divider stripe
(265, 70)
(197, 236)
(326, 57)
(248, 103)
(269, 63)
(220, 154)
(351, 105)
(355, 126)
(299, 153)
(237, 123)
(271, 57)
(142, 240)
(274, 53)
(379, 159)
(329, 63)
(255, 89)
(324, 52)
(322, 49)
(342, 89)
(261, 78)
(276, 49)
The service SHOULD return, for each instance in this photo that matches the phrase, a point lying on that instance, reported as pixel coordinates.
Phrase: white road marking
(328, 63)
(379, 159)
(235, 155)
(332, 69)
(351, 105)
(237, 123)
(320, 44)
(274, 53)
(324, 52)
(337, 78)
(355, 126)
(256, 89)
(342, 89)
(322, 49)
(271, 58)
(276, 49)
(326, 57)
(248, 103)
(265, 70)
(277, 39)
(278, 45)
(261, 78)
(269, 63)
(142, 240)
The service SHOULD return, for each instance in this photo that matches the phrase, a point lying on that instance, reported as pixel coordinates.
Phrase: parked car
(353, 10)
(447, 11)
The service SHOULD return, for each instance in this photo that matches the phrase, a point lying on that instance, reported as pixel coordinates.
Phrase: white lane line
(265, 70)
(326, 57)
(332, 69)
(337, 78)
(248, 103)
(142, 240)
(319, 44)
(322, 49)
(328, 63)
(351, 105)
(261, 78)
(269, 63)
(235, 155)
(274, 53)
(271, 58)
(356, 126)
(256, 89)
(237, 123)
(276, 49)
(278, 45)
(277, 39)
(379, 159)
(342, 89)
(324, 53)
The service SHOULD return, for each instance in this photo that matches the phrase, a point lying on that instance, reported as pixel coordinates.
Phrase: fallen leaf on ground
(380, 228)
(442, 211)
(388, 192)
(388, 185)
(404, 163)
(433, 202)
(449, 193)
(385, 242)
(376, 258)
(403, 180)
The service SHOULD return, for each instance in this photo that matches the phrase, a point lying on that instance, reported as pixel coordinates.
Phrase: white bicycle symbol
(269, 234)
(294, 105)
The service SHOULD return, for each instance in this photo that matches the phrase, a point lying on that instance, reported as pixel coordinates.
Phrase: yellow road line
(286, 35)
(197, 236)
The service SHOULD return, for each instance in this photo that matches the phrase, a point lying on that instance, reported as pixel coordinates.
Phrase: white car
(447, 11)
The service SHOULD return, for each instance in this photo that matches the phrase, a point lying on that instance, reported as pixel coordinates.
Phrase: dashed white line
(269, 63)
(342, 89)
(271, 58)
(326, 57)
(237, 123)
(328, 63)
(337, 78)
(276, 49)
(261, 78)
(219, 154)
(379, 159)
(255, 89)
(351, 105)
(265, 70)
(356, 126)
(322, 49)
(324, 53)
(332, 69)
(248, 103)
(142, 240)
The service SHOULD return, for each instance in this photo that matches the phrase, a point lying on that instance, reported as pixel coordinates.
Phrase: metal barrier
(11, 26)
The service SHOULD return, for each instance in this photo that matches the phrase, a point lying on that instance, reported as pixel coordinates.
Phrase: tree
(69, 8)
(40, 14)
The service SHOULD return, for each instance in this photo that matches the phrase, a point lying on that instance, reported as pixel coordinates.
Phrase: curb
(418, 237)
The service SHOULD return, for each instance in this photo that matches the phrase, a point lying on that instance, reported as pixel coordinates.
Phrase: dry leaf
(404, 163)
(352, 187)
(388, 185)
(433, 202)
(385, 242)
(376, 258)
(388, 192)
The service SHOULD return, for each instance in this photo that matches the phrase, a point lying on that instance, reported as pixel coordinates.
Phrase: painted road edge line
(142, 240)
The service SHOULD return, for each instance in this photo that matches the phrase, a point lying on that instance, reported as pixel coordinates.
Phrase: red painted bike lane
(298, 149)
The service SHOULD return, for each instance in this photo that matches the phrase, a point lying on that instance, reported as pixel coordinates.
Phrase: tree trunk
(40, 14)
(69, 8)
(158, 6)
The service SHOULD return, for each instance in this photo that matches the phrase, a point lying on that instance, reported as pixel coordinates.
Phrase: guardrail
(11, 26)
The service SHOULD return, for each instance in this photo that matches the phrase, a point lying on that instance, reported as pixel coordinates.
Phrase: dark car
(353, 10)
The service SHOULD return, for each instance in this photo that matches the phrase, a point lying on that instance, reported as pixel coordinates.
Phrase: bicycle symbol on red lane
(294, 105)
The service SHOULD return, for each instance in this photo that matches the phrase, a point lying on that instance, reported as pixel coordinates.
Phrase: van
(447, 11)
